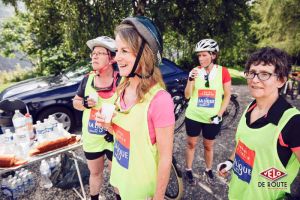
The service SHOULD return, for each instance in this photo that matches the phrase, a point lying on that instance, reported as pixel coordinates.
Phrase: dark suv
(53, 95)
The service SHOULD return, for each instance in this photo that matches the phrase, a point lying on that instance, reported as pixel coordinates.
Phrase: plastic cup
(94, 96)
(107, 110)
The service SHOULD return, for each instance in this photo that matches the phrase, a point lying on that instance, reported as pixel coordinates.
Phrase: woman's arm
(191, 83)
(78, 103)
(227, 94)
(164, 141)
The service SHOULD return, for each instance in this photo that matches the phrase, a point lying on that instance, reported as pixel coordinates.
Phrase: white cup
(94, 96)
(107, 110)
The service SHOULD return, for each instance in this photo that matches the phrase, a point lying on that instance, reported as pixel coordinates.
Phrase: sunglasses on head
(207, 81)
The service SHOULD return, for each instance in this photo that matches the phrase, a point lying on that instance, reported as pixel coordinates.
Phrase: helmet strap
(146, 76)
(137, 60)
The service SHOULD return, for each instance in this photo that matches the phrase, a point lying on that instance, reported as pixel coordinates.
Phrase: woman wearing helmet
(97, 87)
(208, 89)
(144, 122)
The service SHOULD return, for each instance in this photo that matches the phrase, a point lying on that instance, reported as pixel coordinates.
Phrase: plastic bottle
(31, 181)
(29, 125)
(19, 120)
(8, 142)
(52, 164)
(20, 187)
(48, 129)
(40, 131)
(14, 189)
(45, 174)
(22, 138)
(54, 126)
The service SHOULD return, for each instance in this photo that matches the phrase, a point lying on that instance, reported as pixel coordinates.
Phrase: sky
(7, 63)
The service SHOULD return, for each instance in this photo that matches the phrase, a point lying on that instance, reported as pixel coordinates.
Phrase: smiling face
(100, 58)
(205, 58)
(264, 89)
(124, 56)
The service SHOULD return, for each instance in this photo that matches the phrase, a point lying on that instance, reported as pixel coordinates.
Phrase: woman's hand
(89, 102)
(193, 74)
(100, 121)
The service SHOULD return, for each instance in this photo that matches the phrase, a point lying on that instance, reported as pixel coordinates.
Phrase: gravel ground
(223, 148)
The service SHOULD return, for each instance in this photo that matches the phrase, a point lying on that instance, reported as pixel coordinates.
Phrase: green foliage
(53, 33)
(184, 23)
(16, 75)
(278, 25)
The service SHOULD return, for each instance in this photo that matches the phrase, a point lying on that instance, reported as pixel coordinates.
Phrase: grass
(237, 77)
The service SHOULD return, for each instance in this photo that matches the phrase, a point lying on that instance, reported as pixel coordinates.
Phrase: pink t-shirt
(160, 113)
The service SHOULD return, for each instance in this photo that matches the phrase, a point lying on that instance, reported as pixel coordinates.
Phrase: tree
(277, 24)
(59, 29)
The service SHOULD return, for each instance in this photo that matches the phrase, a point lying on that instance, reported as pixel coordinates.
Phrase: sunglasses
(104, 89)
(207, 81)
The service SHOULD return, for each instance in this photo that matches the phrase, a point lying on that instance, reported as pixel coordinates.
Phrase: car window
(167, 69)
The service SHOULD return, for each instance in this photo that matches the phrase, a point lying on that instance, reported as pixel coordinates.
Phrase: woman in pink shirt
(143, 126)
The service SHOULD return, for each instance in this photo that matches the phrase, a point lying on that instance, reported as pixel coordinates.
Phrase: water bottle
(45, 174)
(31, 181)
(19, 120)
(21, 133)
(3, 146)
(52, 164)
(5, 188)
(40, 131)
(20, 187)
(48, 129)
(54, 125)
(14, 189)
(8, 142)
(29, 125)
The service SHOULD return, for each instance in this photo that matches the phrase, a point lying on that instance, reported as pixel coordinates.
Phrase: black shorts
(96, 155)
(194, 128)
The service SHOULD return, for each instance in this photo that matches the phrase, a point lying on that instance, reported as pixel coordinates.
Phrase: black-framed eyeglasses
(263, 76)
(207, 81)
(97, 54)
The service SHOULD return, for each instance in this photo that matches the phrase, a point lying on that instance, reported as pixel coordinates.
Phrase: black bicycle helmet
(150, 34)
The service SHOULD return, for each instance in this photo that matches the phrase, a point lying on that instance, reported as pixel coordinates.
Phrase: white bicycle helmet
(207, 45)
(102, 41)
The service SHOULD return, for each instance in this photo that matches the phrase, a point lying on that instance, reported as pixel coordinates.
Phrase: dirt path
(223, 147)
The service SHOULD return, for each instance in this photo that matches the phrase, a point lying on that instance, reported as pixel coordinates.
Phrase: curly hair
(271, 56)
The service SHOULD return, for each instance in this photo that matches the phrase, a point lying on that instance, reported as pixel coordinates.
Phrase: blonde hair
(146, 64)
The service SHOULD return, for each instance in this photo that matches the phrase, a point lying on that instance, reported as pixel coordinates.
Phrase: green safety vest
(135, 159)
(206, 102)
(92, 135)
(257, 170)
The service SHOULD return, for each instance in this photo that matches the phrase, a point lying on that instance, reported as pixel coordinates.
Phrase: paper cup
(94, 96)
(107, 110)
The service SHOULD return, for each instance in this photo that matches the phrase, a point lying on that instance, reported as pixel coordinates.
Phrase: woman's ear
(282, 81)
(213, 56)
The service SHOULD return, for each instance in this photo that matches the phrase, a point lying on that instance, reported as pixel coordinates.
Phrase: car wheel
(61, 114)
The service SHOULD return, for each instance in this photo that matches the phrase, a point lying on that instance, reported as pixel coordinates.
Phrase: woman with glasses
(266, 159)
(143, 126)
(97, 87)
(208, 89)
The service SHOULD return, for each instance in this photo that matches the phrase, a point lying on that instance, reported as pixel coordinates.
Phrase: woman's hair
(271, 56)
(216, 58)
(146, 64)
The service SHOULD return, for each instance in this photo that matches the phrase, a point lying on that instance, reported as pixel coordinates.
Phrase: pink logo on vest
(273, 174)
